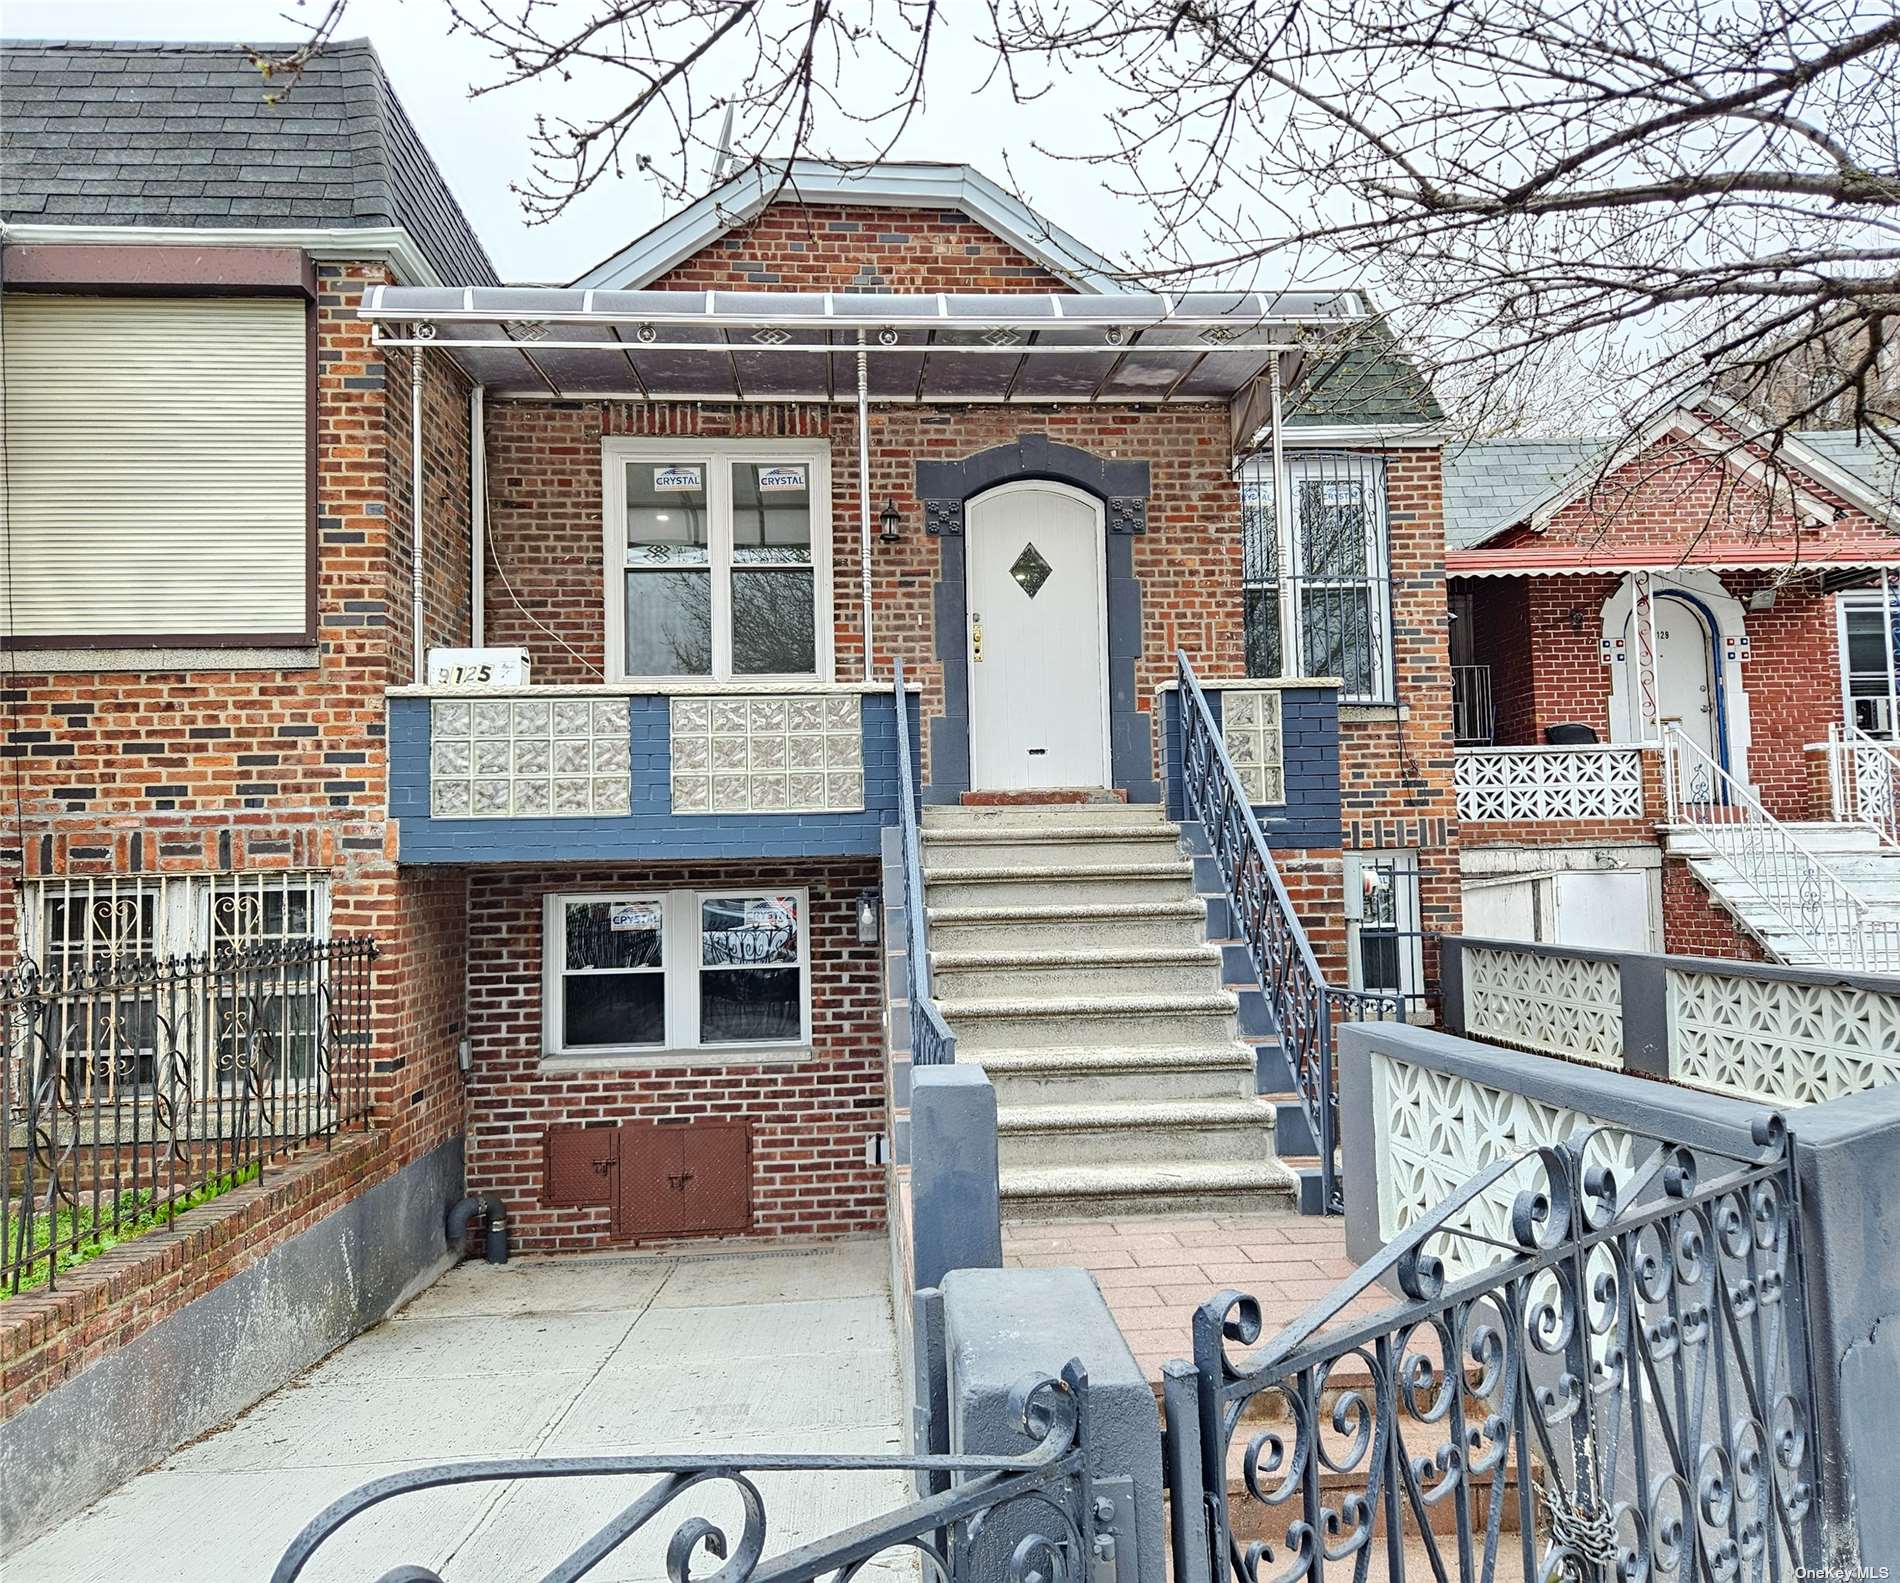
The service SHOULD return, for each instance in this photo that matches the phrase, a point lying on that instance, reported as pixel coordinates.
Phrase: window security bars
(1316, 588)
(1473, 715)
(1863, 777)
(1031, 1516)
(931, 1041)
(1385, 939)
(1304, 1006)
(1618, 1388)
(1832, 919)
(130, 1082)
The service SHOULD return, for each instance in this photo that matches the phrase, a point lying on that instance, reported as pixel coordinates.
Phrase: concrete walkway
(583, 1356)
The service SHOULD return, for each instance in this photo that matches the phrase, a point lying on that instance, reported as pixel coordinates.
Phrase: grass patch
(93, 1232)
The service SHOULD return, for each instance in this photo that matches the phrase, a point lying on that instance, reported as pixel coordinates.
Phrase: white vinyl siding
(156, 467)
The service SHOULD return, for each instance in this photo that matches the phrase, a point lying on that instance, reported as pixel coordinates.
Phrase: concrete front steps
(1854, 854)
(1070, 956)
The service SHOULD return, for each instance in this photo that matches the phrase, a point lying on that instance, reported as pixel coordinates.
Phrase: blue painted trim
(651, 830)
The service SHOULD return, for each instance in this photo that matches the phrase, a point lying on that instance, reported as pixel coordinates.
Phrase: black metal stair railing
(931, 1041)
(1305, 1007)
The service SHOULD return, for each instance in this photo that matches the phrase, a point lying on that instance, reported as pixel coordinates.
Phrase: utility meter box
(478, 667)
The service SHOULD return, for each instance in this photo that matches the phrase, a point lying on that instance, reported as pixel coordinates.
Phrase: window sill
(648, 1060)
(290, 658)
(1375, 712)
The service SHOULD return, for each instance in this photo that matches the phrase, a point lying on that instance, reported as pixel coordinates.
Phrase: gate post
(1181, 1472)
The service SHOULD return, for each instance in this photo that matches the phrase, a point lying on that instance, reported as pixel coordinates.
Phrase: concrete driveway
(582, 1356)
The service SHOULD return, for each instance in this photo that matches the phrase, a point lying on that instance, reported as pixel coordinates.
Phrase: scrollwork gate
(1031, 1518)
(1616, 1390)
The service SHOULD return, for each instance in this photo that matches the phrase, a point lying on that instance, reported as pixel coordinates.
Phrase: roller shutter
(157, 468)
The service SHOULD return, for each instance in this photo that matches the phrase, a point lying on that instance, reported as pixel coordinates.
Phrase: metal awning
(756, 346)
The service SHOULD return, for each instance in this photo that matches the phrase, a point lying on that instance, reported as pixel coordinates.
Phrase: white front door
(1685, 674)
(1037, 638)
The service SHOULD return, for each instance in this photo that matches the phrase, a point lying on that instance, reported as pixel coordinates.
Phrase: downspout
(417, 671)
(477, 516)
(864, 496)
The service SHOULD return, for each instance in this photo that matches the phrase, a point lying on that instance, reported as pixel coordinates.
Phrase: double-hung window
(718, 560)
(1867, 676)
(641, 973)
(1316, 589)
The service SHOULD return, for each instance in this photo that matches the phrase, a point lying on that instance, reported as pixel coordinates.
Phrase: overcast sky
(482, 145)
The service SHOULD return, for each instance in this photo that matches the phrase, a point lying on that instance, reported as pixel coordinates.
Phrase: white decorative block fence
(767, 754)
(1537, 784)
(1252, 733)
(1565, 1005)
(528, 758)
(1786, 1043)
(1436, 1130)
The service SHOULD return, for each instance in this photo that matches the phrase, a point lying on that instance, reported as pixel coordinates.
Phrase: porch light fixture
(888, 521)
(1576, 618)
(868, 926)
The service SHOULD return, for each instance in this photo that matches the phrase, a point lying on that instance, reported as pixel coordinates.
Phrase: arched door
(1038, 642)
(1687, 693)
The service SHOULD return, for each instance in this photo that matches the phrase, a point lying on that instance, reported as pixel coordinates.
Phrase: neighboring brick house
(657, 968)
(208, 560)
(1605, 595)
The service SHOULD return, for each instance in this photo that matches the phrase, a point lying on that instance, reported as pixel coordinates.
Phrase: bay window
(717, 560)
(644, 973)
(1316, 590)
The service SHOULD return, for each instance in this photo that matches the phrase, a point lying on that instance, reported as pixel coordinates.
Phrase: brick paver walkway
(1155, 1271)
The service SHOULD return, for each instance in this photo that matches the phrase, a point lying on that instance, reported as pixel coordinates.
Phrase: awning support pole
(477, 518)
(864, 496)
(1893, 691)
(1292, 658)
(417, 669)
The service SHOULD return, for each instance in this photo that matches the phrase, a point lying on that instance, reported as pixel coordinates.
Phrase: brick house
(1680, 587)
(635, 903)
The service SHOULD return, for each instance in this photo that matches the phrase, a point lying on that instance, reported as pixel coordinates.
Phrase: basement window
(718, 560)
(655, 973)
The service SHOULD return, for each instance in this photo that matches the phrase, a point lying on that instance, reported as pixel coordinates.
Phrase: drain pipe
(417, 671)
(864, 496)
(493, 1216)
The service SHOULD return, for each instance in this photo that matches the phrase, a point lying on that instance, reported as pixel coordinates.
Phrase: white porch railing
(1835, 921)
(1863, 778)
(1546, 783)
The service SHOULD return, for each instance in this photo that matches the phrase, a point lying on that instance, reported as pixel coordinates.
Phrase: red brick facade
(858, 247)
(812, 1119)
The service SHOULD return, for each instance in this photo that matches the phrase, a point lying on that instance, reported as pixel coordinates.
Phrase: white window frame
(1291, 579)
(182, 917)
(718, 457)
(1868, 601)
(680, 965)
(1406, 918)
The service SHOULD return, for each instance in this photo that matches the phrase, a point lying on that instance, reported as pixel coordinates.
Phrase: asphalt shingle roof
(1490, 484)
(181, 135)
(1361, 376)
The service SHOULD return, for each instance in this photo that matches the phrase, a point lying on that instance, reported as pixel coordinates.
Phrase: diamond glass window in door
(1030, 570)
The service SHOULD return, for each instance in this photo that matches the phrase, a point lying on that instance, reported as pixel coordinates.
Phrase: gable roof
(908, 185)
(180, 136)
(1495, 485)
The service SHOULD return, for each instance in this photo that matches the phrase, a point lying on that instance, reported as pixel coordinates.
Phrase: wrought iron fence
(1835, 922)
(1024, 1517)
(1617, 1389)
(931, 1041)
(1473, 717)
(1305, 1007)
(132, 1084)
(1863, 775)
